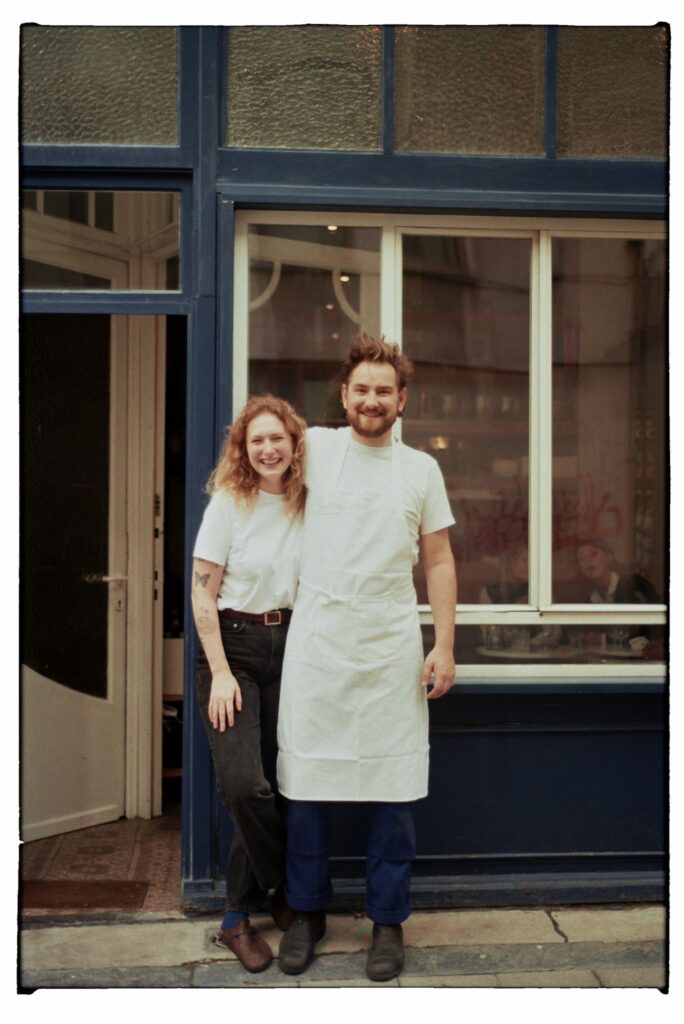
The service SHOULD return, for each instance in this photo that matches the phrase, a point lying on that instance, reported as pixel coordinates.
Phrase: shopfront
(221, 224)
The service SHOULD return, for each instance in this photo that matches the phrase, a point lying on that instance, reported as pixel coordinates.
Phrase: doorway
(101, 459)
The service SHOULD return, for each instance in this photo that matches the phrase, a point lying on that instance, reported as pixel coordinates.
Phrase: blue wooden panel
(529, 785)
(224, 360)
(413, 181)
(198, 789)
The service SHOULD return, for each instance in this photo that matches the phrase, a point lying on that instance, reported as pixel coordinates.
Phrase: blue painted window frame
(548, 184)
(214, 181)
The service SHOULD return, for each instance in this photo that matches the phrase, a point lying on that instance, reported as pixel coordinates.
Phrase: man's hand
(439, 663)
(224, 700)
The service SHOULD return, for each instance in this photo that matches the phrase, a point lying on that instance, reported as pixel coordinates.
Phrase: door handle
(98, 577)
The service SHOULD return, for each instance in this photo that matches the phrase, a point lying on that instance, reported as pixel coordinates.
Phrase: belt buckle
(273, 618)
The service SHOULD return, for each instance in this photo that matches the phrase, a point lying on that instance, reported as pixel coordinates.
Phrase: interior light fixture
(329, 305)
(332, 227)
(344, 277)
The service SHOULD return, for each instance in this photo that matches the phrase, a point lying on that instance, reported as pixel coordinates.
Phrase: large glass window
(311, 289)
(100, 240)
(539, 388)
(609, 420)
(466, 326)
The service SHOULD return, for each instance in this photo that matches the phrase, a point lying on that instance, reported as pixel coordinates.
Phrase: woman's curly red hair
(233, 471)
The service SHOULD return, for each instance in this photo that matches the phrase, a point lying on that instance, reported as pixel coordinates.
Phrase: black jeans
(244, 759)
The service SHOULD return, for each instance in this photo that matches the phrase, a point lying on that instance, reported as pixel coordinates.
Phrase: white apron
(353, 719)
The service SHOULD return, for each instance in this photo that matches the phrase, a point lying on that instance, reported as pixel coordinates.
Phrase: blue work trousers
(391, 848)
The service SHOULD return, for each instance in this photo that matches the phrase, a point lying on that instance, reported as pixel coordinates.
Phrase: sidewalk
(585, 947)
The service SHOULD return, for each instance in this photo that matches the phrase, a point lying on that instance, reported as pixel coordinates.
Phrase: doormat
(75, 895)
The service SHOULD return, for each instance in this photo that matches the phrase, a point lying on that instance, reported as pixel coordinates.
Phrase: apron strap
(395, 461)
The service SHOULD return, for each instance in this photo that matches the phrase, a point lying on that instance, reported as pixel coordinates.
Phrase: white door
(74, 573)
(92, 526)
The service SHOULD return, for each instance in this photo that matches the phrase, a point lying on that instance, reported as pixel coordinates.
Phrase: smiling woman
(245, 576)
(270, 450)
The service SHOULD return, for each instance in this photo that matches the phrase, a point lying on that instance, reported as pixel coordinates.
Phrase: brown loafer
(253, 952)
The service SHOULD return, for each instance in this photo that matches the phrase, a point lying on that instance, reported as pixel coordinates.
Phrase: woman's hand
(224, 700)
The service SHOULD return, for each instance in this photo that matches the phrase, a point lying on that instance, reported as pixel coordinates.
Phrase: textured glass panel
(98, 85)
(305, 87)
(467, 329)
(103, 240)
(609, 422)
(612, 91)
(472, 89)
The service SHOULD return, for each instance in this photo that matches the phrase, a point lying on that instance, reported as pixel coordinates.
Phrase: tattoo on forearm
(202, 580)
(206, 625)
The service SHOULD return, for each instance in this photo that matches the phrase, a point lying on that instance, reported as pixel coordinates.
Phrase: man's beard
(374, 427)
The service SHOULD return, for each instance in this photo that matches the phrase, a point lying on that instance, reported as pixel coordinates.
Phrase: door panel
(73, 572)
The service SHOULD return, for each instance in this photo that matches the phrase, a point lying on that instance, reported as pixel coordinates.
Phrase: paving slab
(233, 975)
(550, 979)
(513, 958)
(632, 977)
(129, 977)
(479, 927)
(363, 982)
(450, 981)
(612, 925)
(165, 944)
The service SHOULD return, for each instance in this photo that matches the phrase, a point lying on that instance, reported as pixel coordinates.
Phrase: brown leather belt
(274, 618)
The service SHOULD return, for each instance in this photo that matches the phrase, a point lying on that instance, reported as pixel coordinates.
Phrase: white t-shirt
(260, 547)
(369, 469)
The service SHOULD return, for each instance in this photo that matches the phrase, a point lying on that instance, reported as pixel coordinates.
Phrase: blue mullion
(199, 806)
(388, 89)
(224, 354)
(204, 236)
(551, 94)
(141, 157)
(112, 303)
(188, 95)
(104, 181)
(189, 102)
(224, 60)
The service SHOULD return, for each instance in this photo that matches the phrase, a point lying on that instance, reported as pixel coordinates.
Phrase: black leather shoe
(386, 955)
(297, 944)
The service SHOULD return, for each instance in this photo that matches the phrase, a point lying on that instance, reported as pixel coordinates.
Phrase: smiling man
(353, 721)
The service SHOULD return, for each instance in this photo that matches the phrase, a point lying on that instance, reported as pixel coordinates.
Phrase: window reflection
(466, 326)
(99, 240)
(311, 290)
(609, 420)
(506, 644)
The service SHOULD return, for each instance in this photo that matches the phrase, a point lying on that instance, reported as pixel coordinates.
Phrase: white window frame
(541, 231)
